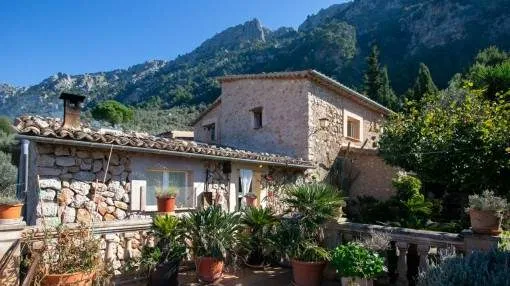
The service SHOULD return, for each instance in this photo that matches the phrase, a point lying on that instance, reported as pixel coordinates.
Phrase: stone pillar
(481, 242)
(423, 252)
(8, 235)
(402, 263)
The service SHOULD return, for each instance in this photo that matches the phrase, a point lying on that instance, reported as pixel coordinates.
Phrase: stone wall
(200, 133)
(74, 188)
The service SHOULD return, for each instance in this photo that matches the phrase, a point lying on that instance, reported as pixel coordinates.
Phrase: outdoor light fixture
(323, 122)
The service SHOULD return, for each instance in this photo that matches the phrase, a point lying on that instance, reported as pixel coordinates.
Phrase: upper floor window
(353, 126)
(257, 117)
(211, 129)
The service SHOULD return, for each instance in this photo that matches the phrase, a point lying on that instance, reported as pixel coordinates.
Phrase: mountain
(444, 34)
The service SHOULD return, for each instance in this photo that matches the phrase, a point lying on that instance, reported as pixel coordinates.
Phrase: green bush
(112, 111)
(8, 179)
(353, 260)
(479, 268)
(260, 224)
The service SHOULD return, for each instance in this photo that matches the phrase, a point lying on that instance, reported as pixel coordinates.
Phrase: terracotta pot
(75, 279)
(209, 269)
(355, 281)
(307, 273)
(485, 222)
(166, 204)
(251, 201)
(10, 211)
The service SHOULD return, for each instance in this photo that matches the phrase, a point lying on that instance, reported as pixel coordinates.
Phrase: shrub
(7, 180)
(479, 268)
(487, 202)
(353, 260)
(112, 111)
(260, 224)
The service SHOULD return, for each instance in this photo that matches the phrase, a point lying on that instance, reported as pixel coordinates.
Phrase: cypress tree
(373, 74)
(386, 95)
(423, 84)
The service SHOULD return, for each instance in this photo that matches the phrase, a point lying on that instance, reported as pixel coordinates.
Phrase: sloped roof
(317, 77)
(50, 130)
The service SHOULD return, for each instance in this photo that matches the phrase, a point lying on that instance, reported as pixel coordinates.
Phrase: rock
(108, 194)
(102, 208)
(98, 155)
(86, 167)
(69, 215)
(109, 201)
(73, 169)
(62, 151)
(108, 217)
(82, 154)
(46, 171)
(90, 206)
(114, 159)
(50, 183)
(45, 149)
(47, 209)
(81, 188)
(110, 209)
(100, 176)
(65, 161)
(97, 166)
(67, 176)
(79, 200)
(116, 265)
(117, 189)
(45, 161)
(84, 176)
(99, 187)
(66, 196)
(48, 221)
(125, 198)
(83, 216)
(116, 170)
(47, 194)
(119, 214)
(121, 205)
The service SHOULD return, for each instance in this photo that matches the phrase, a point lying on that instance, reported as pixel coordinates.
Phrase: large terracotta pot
(307, 273)
(355, 281)
(10, 211)
(166, 204)
(485, 222)
(75, 279)
(209, 269)
(251, 200)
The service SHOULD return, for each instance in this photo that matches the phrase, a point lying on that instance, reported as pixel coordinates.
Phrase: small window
(257, 117)
(179, 180)
(353, 128)
(211, 129)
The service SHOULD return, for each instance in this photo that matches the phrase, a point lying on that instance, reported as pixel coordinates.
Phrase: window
(180, 180)
(257, 117)
(211, 129)
(353, 128)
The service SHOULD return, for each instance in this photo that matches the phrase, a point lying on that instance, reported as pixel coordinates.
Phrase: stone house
(306, 115)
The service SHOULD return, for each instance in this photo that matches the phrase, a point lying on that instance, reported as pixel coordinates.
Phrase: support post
(402, 262)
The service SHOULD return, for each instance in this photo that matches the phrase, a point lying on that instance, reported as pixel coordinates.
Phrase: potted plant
(251, 199)
(310, 206)
(70, 256)
(214, 236)
(10, 205)
(357, 265)
(166, 199)
(162, 261)
(486, 212)
(260, 226)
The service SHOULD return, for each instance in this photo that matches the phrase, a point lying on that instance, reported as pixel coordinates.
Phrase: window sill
(353, 139)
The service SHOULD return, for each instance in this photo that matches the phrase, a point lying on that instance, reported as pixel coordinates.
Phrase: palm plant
(260, 224)
(213, 232)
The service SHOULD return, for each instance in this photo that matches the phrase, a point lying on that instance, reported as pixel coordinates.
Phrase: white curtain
(246, 176)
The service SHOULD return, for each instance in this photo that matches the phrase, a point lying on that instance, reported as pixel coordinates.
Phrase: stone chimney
(72, 109)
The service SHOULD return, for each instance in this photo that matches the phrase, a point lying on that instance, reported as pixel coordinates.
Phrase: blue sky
(40, 38)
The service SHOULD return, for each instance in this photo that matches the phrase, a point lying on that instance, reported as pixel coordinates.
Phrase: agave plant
(213, 232)
(260, 223)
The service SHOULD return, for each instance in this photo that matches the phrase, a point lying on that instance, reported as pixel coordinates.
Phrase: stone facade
(78, 185)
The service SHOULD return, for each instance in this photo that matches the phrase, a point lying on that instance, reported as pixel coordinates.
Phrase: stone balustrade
(413, 244)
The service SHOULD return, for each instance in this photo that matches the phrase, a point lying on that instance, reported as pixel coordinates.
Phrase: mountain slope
(445, 34)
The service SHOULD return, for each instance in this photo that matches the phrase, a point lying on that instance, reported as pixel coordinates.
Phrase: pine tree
(386, 96)
(423, 84)
(373, 74)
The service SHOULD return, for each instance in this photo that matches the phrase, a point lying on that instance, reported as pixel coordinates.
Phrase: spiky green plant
(260, 223)
(213, 232)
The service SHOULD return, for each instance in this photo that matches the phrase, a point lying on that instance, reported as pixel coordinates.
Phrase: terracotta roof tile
(52, 128)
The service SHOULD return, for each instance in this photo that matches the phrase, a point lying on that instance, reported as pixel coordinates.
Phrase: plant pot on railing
(75, 279)
(10, 211)
(486, 213)
(251, 199)
(166, 199)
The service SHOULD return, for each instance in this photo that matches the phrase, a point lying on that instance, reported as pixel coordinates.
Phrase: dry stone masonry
(78, 185)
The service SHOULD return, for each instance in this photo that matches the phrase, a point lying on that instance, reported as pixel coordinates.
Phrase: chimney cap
(72, 96)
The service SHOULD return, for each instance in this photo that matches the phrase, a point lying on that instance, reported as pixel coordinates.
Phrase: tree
(5, 125)
(385, 94)
(112, 111)
(491, 72)
(423, 84)
(373, 74)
